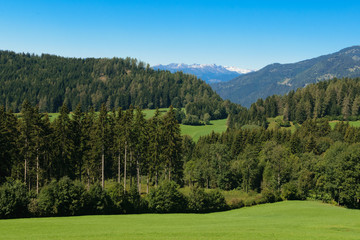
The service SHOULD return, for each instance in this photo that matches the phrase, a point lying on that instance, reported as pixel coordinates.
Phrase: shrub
(197, 200)
(13, 200)
(118, 198)
(289, 191)
(61, 198)
(98, 201)
(166, 199)
(200, 201)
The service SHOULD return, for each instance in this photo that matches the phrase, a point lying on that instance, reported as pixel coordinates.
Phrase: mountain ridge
(279, 78)
(210, 73)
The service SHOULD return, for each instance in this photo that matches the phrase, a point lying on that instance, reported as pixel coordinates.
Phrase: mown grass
(284, 220)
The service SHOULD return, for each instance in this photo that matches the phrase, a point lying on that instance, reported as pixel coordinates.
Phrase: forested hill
(335, 99)
(282, 78)
(49, 80)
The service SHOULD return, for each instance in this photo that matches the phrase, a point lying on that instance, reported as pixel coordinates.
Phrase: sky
(245, 34)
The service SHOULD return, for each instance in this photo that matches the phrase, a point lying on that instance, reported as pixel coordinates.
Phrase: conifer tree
(172, 143)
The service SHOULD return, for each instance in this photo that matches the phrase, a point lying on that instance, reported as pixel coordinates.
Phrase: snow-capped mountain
(211, 73)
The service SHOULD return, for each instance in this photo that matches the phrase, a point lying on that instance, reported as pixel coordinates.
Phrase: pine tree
(64, 143)
(172, 143)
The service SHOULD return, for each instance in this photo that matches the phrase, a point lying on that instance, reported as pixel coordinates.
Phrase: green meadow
(351, 123)
(284, 220)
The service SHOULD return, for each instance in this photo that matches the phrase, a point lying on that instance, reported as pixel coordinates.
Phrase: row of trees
(89, 147)
(68, 198)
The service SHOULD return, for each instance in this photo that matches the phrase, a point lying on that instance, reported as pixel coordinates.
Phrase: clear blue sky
(247, 34)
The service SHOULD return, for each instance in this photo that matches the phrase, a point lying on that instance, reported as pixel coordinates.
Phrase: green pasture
(284, 220)
(274, 123)
(196, 132)
(351, 123)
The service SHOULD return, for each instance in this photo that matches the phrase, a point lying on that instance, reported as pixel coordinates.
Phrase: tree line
(89, 147)
(336, 99)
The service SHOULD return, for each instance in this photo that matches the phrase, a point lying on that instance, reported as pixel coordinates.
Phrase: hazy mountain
(281, 78)
(210, 73)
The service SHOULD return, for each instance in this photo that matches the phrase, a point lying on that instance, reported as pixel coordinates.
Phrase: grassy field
(274, 123)
(196, 132)
(284, 220)
(352, 123)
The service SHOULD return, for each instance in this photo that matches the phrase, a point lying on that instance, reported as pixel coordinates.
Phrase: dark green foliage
(119, 198)
(199, 201)
(13, 200)
(98, 200)
(166, 198)
(50, 81)
(336, 99)
(62, 198)
(192, 120)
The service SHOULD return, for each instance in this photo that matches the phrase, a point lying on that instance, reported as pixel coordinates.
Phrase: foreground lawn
(284, 220)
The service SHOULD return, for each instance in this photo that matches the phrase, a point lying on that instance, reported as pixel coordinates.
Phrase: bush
(60, 198)
(200, 201)
(197, 200)
(216, 201)
(118, 198)
(289, 191)
(98, 201)
(192, 120)
(166, 199)
(13, 200)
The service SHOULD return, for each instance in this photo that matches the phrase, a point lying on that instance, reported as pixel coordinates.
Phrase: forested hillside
(335, 99)
(281, 78)
(50, 81)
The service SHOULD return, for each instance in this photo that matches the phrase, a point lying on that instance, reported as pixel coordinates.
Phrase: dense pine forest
(337, 99)
(49, 81)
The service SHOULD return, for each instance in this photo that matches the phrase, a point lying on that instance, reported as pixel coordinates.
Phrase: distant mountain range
(281, 78)
(210, 73)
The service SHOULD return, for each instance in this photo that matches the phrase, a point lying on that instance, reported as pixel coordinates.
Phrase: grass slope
(351, 123)
(285, 220)
(196, 132)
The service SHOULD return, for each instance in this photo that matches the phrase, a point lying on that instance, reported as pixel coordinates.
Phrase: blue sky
(246, 34)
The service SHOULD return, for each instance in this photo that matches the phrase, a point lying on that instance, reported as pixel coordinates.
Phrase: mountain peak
(281, 78)
(210, 73)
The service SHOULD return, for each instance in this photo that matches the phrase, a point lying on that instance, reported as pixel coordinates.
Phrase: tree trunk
(25, 173)
(147, 184)
(88, 177)
(37, 173)
(156, 178)
(131, 169)
(125, 160)
(119, 167)
(169, 171)
(138, 174)
(25, 164)
(102, 168)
